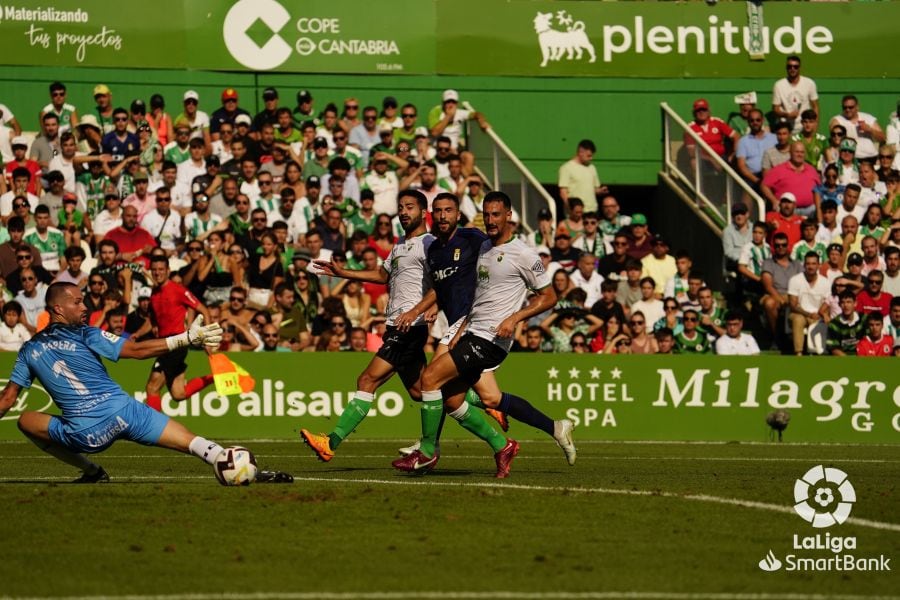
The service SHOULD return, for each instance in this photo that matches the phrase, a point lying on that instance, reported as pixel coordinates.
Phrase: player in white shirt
(735, 342)
(403, 351)
(507, 269)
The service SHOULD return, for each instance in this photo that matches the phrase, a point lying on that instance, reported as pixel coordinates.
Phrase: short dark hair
(446, 196)
(12, 306)
(587, 145)
(56, 291)
(498, 196)
(73, 251)
(419, 197)
(57, 86)
(42, 209)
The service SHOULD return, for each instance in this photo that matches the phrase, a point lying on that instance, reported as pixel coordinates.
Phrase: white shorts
(451, 333)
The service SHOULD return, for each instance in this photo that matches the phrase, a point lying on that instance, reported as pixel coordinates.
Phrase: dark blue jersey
(453, 267)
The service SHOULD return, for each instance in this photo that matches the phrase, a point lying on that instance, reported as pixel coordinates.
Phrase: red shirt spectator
(872, 298)
(169, 304)
(795, 176)
(880, 347)
(33, 168)
(134, 242)
(712, 130)
(785, 220)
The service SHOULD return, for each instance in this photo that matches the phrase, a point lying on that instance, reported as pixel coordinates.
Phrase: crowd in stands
(241, 205)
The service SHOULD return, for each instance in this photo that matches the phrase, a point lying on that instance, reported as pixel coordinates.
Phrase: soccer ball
(235, 466)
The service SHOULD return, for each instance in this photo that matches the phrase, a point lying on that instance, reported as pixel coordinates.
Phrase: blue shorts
(126, 420)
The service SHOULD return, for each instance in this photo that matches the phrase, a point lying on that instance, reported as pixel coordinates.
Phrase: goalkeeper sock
(352, 416)
(205, 450)
(473, 399)
(522, 410)
(196, 384)
(474, 421)
(154, 401)
(432, 411)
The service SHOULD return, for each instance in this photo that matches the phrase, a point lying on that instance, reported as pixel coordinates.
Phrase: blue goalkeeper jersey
(66, 360)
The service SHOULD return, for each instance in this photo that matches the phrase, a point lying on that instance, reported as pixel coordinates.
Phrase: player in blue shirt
(452, 261)
(66, 359)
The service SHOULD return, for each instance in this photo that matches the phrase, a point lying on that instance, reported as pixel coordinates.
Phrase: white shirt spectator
(188, 170)
(653, 310)
(6, 201)
(385, 187)
(797, 97)
(219, 150)
(67, 168)
(104, 222)
(810, 296)
(859, 211)
(872, 195)
(181, 196)
(167, 230)
(195, 227)
(32, 307)
(12, 339)
(865, 145)
(250, 189)
(590, 286)
(455, 128)
(743, 345)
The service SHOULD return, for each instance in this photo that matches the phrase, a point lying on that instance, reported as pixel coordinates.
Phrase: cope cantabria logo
(824, 497)
(316, 34)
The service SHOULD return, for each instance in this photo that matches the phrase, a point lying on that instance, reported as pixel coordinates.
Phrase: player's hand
(327, 267)
(506, 328)
(200, 335)
(431, 314)
(405, 321)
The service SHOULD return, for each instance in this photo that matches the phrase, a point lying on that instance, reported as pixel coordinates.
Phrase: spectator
(875, 342)
(808, 242)
(12, 332)
(578, 178)
(384, 185)
(847, 164)
(892, 327)
(613, 338)
(735, 342)
(629, 290)
(142, 199)
(448, 120)
(777, 271)
(837, 135)
(735, 237)
(659, 265)
(833, 267)
(649, 305)
(8, 249)
(847, 328)
(712, 317)
(692, 340)
(66, 113)
(586, 278)
(861, 127)
(892, 271)
(712, 130)
(872, 298)
(47, 240)
(563, 323)
(871, 191)
(640, 242)
(289, 318)
(665, 341)
(31, 299)
(531, 340)
(807, 293)
(780, 153)
(850, 238)
(591, 241)
(31, 170)
(573, 224)
(672, 319)
(785, 220)
(25, 260)
(829, 189)
(873, 223)
(163, 225)
(641, 341)
(794, 94)
(607, 305)
(110, 217)
(828, 227)
(73, 274)
(750, 263)
(887, 154)
(46, 145)
(120, 143)
(752, 147)
(795, 177)
(612, 222)
(563, 252)
(365, 135)
(691, 298)
(814, 142)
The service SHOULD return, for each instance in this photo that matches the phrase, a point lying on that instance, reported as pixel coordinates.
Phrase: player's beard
(413, 224)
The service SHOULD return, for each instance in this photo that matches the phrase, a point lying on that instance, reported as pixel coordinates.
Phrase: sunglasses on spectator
(793, 66)
(301, 277)
(239, 203)
(781, 245)
(837, 134)
(259, 219)
(237, 298)
(369, 118)
(270, 335)
(236, 251)
(195, 249)
(443, 148)
(20, 205)
(338, 324)
(409, 115)
(351, 106)
(23, 256)
(636, 322)
(621, 343)
(672, 307)
(162, 199)
(620, 243)
(848, 106)
(874, 282)
(265, 182)
(691, 319)
(27, 278)
(58, 94)
(340, 138)
(579, 345)
(97, 282)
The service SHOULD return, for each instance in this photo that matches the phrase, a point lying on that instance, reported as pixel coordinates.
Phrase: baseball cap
(302, 254)
(101, 90)
(421, 132)
(848, 144)
(313, 181)
(787, 197)
(543, 250)
(138, 106)
(701, 103)
(748, 98)
(385, 127)
(389, 101)
(229, 94)
(19, 140)
(69, 197)
(140, 176)
(243, 119)
(739, 209)
(837, 247)
(190, 95)
(544, 214)
(144, 292)
(638, 219)
(451, 96)
(563, 235)
(213, 159)
(303, 96)
(855, 258)
(320, 142)
(660, 240)
(270, 93)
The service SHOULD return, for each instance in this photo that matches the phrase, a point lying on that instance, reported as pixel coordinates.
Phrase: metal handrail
(500, 145)
(724, 166)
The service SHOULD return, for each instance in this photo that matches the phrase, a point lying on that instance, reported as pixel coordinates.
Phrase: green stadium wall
(653, 398)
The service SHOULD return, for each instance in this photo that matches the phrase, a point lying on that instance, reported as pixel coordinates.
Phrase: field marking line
(450, 595)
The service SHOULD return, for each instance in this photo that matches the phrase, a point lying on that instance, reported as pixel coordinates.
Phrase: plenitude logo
(824, 497)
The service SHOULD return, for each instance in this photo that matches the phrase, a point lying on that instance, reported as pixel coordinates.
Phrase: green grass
(164, 526)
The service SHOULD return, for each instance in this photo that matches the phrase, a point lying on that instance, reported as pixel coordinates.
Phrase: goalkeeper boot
(498, 416)
(100, 476)
(319, 443)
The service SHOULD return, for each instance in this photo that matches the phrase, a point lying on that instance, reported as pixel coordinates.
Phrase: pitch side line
(442, 595)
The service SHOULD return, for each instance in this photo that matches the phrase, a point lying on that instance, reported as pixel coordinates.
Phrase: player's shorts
(451, 333)
(405, 351)
(473, 355)
(171, 364)
(130, 420)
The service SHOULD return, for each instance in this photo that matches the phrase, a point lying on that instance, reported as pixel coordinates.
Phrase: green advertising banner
(456, 37)
(648, 398)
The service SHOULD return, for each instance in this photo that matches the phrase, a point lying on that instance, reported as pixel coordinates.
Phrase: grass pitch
(633, 520)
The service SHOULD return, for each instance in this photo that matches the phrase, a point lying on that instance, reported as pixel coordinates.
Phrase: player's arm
(8, 397)
(198, 336)
(538, 303)
(329, 267)
(405, 320)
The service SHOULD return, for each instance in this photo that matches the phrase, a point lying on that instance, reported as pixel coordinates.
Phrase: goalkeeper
(66, 359)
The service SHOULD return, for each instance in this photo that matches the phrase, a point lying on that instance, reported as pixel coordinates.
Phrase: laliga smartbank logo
(560, 37)
(824, 497)
(317, 34)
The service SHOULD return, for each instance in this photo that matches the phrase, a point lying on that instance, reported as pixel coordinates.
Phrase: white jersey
(505, 274)
(743, 345)
(409, 280)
